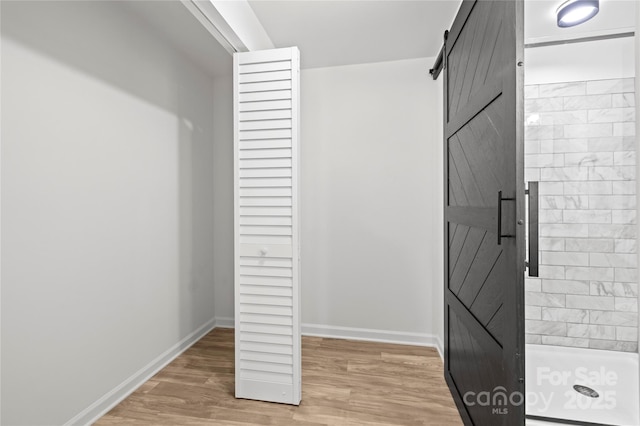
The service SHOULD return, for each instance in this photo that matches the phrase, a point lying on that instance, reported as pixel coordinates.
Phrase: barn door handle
(500, 200)
(533, 262)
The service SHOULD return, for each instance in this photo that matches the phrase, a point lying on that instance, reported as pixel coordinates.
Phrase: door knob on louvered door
(264, 251)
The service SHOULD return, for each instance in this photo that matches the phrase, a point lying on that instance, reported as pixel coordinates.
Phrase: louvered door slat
(264, 105)
(267, 298)
(265, 67)
(264, 96)
(272, 114)
(261, 356)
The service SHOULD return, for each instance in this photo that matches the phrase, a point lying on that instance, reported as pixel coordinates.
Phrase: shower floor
(552, 372)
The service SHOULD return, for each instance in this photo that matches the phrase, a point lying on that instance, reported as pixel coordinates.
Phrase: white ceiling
(345, 32)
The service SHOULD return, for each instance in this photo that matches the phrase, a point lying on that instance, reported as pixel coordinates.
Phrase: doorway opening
(581, 313)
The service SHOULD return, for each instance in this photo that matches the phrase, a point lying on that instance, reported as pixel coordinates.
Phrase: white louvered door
(267, 294)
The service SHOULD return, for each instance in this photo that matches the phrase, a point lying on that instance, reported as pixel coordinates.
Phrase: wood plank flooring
(344, 382)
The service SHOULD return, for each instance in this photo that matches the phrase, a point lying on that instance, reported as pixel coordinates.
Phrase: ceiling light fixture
(575, 12)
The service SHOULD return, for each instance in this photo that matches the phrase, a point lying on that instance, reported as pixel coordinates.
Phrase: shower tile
(589, 273)
(578, 330)
(532, 312)
(551, 272)
(582, 150)
(537, 132)
(584, 159)
(592, 188)
(572, 202)
(531, 147)
(554, 328)
(600, 288)
(626, 246)
(626, 275)
(534, 339)
(620, 260)
(562, 259)
(629, 114)
(565, 117)
(531, 174)
(588, 130)
(628, 334)
(612, 231)
(622, 100)
(551, 188)
(587, 102)
(542, 105)
(565, 341)
(587, 216)
(591, 331)
(546, 146)
(602, 332)
(565, 315)
(629, 143)
(589, 245)
(624, 158)
(624, 188)
(532, 284)
(612, 173)
(623, 216)
(550, 216)
(610, 115)
(564, 230)
(552, 202)
(623, 129)
(544, 160)
(542, 299)
(570, 145)
(532, 119)
(626, 304)
(589, 302)
(613, 318)
(565, 286)
(612, 143)
(562, 89)
(531, 91)
(543, 132)
(613, 345)
(552, 244)
(616, 85)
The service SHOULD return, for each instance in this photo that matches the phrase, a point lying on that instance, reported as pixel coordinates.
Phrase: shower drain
(586, 391)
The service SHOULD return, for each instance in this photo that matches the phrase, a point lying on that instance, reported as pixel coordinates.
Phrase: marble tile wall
(580, 145)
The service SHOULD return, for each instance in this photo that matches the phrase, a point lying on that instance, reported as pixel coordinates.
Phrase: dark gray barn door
(484, 198)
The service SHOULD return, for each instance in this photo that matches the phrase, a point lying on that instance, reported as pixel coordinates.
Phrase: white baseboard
(440, 347)
(364, 334)
(371, 335)
(112, 398)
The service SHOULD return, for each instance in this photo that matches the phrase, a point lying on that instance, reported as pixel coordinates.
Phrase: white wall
(107, 204)
(593, 60)
(371, 196)
(637, 76)
(223, 204)
(438, 256)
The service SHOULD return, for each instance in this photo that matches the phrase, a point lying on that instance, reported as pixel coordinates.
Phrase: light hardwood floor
(344, 382)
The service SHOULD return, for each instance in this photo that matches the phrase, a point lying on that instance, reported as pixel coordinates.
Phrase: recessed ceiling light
(575, 12)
